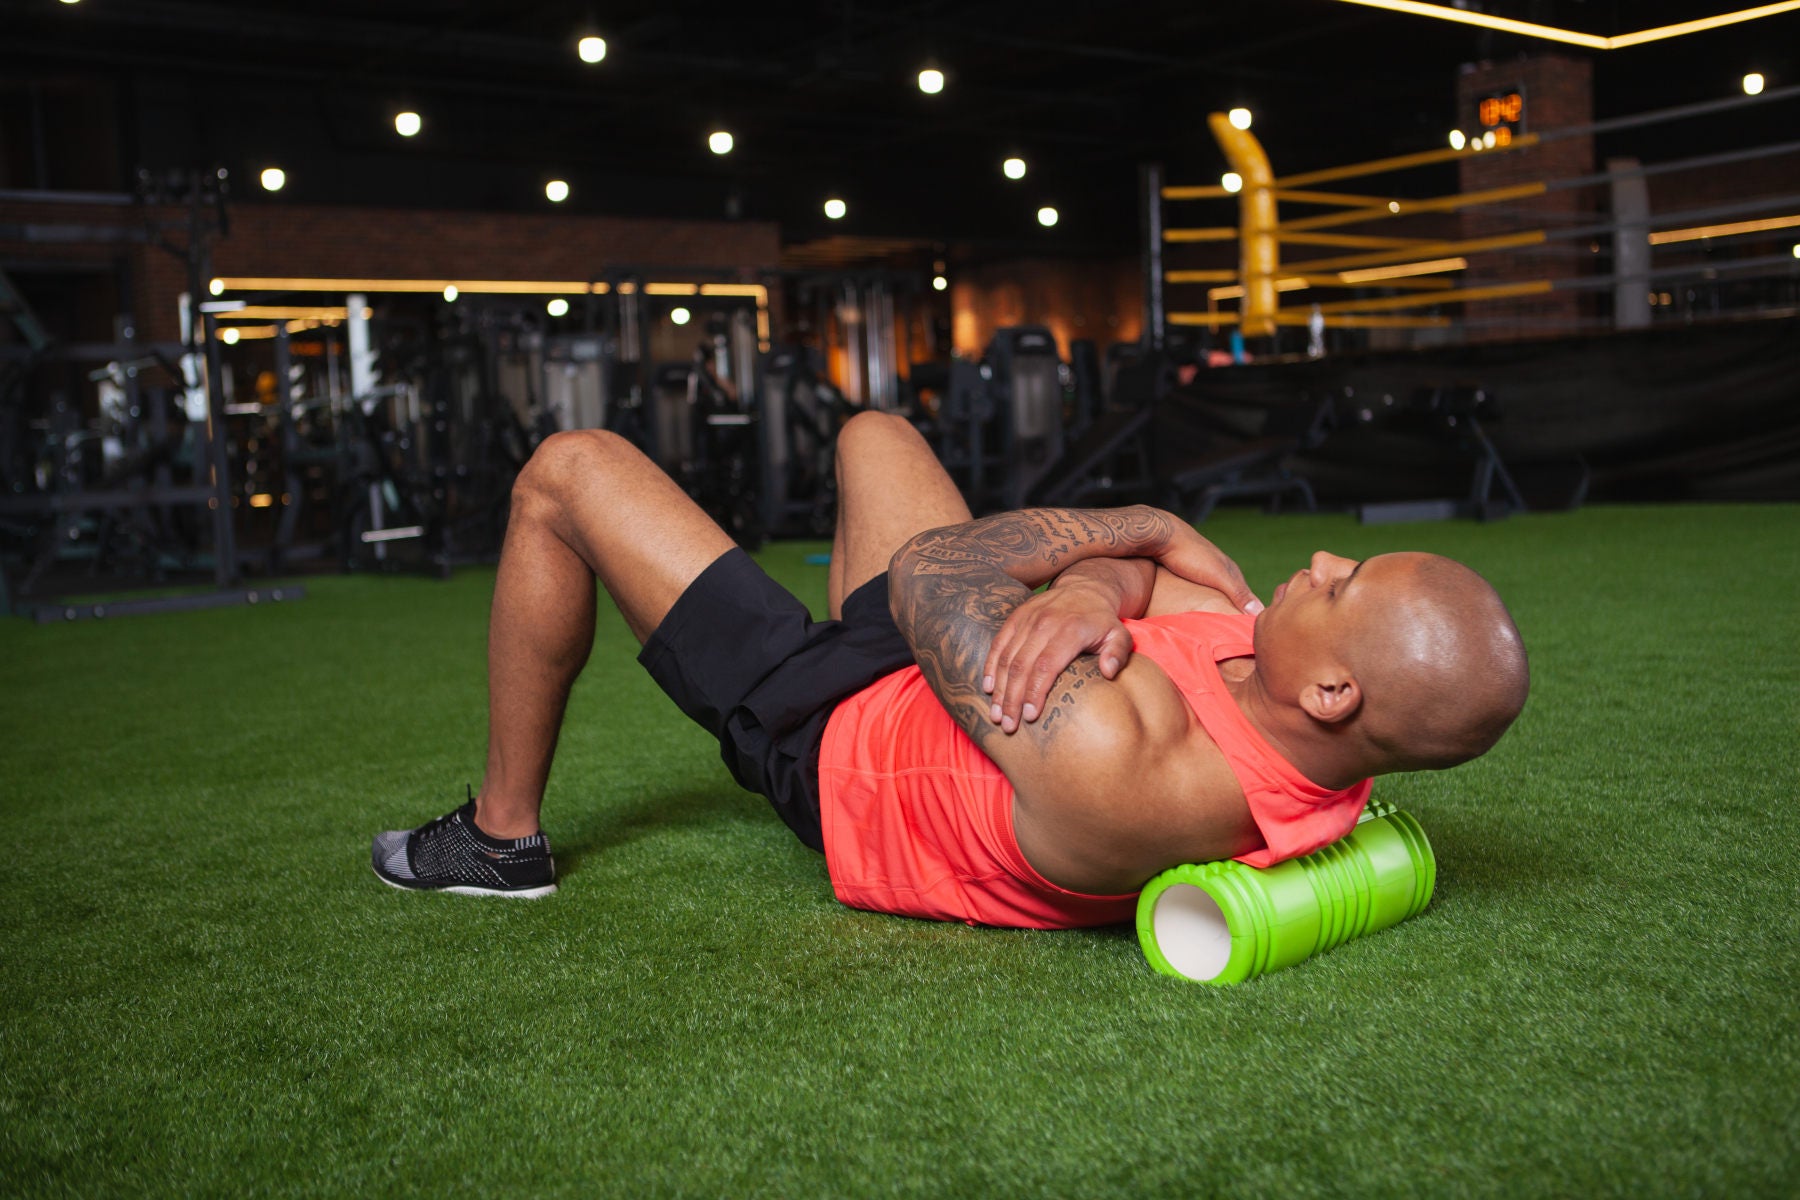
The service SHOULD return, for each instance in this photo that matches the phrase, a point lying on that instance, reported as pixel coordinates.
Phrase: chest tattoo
(1065, 696)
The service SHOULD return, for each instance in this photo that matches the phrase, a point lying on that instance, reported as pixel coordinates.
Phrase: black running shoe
(451, 855)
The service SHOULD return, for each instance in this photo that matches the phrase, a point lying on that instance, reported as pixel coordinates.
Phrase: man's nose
(1327, 568)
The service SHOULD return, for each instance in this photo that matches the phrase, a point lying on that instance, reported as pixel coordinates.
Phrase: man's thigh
(890, 487)
(745, 660)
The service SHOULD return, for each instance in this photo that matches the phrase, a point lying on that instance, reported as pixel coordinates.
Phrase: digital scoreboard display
(1502, 114)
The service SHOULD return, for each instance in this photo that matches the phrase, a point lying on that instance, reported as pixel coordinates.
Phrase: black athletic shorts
(745, 660)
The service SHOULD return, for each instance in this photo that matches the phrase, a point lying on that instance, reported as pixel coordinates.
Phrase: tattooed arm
(953, 588)
(1083, 611)
(1106, 750)
(968, 579)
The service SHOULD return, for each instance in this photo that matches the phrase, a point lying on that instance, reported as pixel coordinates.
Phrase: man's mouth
(1281, 589)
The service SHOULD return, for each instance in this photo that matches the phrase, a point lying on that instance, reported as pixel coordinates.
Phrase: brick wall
(295, 240)
(1102, 300)
(1773, 176)
(1558, 92)
(270, 240)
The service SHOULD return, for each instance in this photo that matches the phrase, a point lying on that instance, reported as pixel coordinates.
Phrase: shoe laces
(436, 825)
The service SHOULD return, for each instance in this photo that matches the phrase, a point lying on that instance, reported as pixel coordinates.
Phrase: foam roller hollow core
(1225, 922)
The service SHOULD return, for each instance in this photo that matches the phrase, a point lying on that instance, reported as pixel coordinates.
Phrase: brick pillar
(1558, 93)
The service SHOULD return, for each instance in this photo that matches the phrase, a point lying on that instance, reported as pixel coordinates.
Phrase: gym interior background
(290, 291)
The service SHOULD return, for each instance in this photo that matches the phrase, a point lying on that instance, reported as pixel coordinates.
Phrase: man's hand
(1083, 612)
(1197, 560)
(953, 589)
(1079, 614)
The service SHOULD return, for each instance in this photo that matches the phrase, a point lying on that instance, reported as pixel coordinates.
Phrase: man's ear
(1333, 701)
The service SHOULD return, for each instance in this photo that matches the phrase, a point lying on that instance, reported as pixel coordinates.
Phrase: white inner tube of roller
(1191, 931)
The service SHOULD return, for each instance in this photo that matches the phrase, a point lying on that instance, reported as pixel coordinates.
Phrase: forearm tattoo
(953, 588)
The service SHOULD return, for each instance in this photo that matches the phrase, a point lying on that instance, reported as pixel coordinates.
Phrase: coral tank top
(917, 821)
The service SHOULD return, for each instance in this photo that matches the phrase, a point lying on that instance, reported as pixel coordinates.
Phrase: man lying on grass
(958, 747)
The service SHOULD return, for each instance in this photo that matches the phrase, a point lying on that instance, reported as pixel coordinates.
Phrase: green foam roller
(1224, 922)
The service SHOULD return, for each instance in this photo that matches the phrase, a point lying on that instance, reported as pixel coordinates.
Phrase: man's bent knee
(569, 456)
(870, 425)
(875, 435)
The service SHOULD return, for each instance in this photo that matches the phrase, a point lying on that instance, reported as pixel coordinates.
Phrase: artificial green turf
(206, 992)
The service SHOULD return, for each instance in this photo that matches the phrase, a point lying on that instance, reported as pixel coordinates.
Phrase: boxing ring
(1443, 281)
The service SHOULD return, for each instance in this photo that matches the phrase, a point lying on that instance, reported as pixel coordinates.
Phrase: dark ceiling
(820, 98)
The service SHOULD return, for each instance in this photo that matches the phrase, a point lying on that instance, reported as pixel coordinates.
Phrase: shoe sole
(533, 893)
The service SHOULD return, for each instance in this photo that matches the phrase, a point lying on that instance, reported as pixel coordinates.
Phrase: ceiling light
(557, 307)
(1013, 168)
(408, 123)
(273, 179)
(450, 292)
(1572, 37)
(216, 287)
(229, 337)
(835, 208)
(1457, 140)
(1487, 140)
(1753, 83)
(1047, 216)
(1231, 181)
(680, 316)
(931, 81)
(489, 287)
(556, 191)
(719, 142)
(939, 283)
(1239, 118)
(591, 49)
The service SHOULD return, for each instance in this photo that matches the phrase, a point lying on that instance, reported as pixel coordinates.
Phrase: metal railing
(1731, 258)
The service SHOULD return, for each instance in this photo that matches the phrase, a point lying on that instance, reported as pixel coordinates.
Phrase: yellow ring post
(1259, 253)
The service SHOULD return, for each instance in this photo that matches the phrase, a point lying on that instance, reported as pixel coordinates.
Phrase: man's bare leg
(890, 487)
(587, 506)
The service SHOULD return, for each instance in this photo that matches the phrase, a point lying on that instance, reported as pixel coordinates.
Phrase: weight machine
(1450, 418)
(801, 413)
(141, 491)
(1000, 428)
(707, 440)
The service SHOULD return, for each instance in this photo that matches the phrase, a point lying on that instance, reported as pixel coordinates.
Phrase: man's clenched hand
(1083, 612)
(1043, 636)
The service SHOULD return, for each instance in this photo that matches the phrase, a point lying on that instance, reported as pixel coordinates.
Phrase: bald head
(1440, 662)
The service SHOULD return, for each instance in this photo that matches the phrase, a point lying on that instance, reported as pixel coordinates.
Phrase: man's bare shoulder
(1173, 594)
(1137, 787)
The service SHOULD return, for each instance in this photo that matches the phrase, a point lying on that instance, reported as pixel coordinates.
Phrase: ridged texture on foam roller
(1378, 875)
